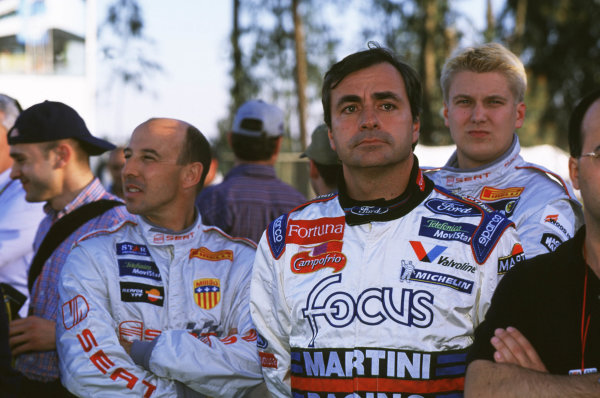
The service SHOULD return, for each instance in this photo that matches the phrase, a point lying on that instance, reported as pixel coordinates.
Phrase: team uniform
(187, 293)
(542, 205)
(378, 299)
(553, 300)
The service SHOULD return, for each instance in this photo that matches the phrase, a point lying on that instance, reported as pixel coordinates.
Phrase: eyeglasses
(594, 155)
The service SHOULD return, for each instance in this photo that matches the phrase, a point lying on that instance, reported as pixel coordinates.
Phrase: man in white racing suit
(159, 307)
(334, 315)
(484, 89)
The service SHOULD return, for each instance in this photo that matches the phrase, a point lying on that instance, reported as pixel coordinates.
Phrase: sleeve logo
(74, 311)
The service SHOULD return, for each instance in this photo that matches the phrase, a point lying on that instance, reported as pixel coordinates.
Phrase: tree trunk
(301, 73)
(238, 72)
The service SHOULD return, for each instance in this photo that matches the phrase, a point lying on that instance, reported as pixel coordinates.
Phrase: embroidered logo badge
(204, 253)
(207, 292)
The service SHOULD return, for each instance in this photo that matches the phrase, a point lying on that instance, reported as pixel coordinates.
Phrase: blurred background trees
(278, 43)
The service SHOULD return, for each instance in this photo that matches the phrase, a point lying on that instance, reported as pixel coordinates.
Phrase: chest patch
(207, 292)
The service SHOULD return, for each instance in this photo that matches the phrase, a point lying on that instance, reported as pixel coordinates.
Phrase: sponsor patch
(452, 208)
(436, 278)
(429, 256)
(142, 269)
(74, 311)
(204, 253)
(506, 263)
(134, 330)
(207, 292)
(506, 206)
(491, 194)
(132, 249)
(267, 360)
(307, 232)
(550, 241)
(368, 210)
(141, 293)
(448, 262)
(445, 230)
(558, 223)
(487, 234)
(304, 262)
(261, 342)
(276, 235)
(165, 238)
(451, 180)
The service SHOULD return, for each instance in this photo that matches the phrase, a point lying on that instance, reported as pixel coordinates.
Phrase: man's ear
(574, 172)
(63, 153)
(192, 174)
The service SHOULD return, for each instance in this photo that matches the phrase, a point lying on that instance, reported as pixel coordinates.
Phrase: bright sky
(192, 45)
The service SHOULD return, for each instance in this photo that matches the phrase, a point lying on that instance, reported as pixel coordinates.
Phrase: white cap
(255, 118)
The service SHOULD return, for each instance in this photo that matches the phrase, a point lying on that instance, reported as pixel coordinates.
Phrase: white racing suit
(376, 299)
(185, 292)
(540, 203)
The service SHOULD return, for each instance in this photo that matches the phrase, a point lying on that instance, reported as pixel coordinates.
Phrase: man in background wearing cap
(51, 146)
(324, 163)
(251, 195)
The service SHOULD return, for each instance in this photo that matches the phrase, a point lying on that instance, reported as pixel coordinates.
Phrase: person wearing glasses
(541, 335)
(483, 89)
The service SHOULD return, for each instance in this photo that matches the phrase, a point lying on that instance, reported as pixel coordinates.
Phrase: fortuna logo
(207, 292)
(204, 253)
(304, 263)
(490, 193)
(308, 232)
(422, 255)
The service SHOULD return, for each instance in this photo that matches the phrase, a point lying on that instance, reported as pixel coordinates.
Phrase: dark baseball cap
(53, 121)
(319, 149)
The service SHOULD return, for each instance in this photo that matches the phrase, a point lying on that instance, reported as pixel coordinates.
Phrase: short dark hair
(196, 149)
(253, 148)
(329, 173)
(364, 59)
(576, 120)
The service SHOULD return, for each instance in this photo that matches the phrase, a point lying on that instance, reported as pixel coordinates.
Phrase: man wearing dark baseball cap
(51, 145)
(251, 195)
(324, 164)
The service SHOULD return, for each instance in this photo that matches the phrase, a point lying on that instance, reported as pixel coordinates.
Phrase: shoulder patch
(487, 234)
(276, 235)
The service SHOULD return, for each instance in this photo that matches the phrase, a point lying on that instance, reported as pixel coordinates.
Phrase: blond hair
(489, 57)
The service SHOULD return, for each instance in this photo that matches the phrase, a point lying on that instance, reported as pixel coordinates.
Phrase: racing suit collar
(163, 236)
(363, 212)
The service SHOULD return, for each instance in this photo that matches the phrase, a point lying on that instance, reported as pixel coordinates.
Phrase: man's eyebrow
(386, 95)
(348, 98)
(144, 151)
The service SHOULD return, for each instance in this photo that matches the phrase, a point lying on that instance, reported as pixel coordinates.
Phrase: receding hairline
(164, 123)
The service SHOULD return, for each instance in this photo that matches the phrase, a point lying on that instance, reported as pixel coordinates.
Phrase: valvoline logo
(304, 263)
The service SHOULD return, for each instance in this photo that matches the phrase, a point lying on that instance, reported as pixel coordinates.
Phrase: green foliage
(561, 51)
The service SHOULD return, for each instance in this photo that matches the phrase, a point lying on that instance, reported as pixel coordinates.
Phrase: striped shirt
(248, 199)
(43, 365)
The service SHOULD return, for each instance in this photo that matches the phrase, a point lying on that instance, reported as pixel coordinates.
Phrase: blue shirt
(248, 199)
(19, 220)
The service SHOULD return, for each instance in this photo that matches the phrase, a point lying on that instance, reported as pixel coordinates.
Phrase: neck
(71, 187)
(176, 220)
(591, 247)
(374, 182)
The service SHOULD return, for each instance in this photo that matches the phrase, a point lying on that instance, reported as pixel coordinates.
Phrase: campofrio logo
(304, 263)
